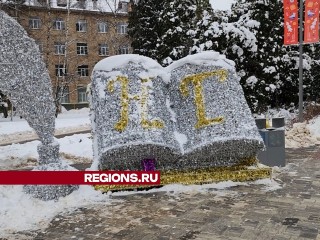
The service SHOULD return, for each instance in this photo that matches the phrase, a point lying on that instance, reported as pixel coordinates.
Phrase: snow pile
(78, 145)
(84, 111)
(19, 211)
(18, 155)
(300, 136)
(314, 127)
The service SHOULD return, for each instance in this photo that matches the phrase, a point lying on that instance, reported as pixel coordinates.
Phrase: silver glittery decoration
(225, 143)
(124, 148)
(24, 76)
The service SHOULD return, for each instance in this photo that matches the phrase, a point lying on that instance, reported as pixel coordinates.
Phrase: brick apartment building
(73, 36)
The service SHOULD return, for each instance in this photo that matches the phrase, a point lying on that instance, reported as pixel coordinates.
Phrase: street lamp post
(301, 63)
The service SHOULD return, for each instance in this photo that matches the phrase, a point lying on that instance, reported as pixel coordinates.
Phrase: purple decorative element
(149, 164)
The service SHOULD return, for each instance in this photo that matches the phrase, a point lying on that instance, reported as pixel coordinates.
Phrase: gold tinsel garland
(125, 100)
(197, 80)
(239, 172)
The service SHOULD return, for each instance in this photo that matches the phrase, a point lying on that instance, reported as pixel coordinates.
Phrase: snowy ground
(73, 148)
(20, 212)
(19, 130)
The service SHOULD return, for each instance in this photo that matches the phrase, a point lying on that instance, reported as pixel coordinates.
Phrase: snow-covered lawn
(73, 148)
(19, 130)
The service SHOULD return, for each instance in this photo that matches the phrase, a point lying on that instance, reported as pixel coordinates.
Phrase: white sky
(221, 4)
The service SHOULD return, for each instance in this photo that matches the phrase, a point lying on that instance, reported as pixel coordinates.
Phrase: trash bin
(274, 140)
(261, 123)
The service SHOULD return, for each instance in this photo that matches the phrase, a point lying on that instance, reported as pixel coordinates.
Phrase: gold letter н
(125, 99)
(197, 80)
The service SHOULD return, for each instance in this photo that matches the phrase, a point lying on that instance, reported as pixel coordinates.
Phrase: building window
(123, 50)
(61, 3)
(60, 70)
(122, 28)
(43, 3)
(95, 7)
(40, 45)
(83, 70)
(102, 27)
(65, 98)
(82, 48)
(103, 49)
(81, 26)
(123, 6)
(58, 24)
(82, 94)
(59, 48)
(34, 23)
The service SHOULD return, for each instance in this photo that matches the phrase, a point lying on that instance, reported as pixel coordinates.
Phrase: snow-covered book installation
(189, 120)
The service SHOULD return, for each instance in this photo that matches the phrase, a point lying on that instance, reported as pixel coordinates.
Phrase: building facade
(72, 39)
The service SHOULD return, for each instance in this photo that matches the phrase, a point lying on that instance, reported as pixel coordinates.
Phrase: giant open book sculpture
(189, 120)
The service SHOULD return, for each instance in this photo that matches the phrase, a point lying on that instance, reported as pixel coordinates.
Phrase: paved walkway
(248, 212)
